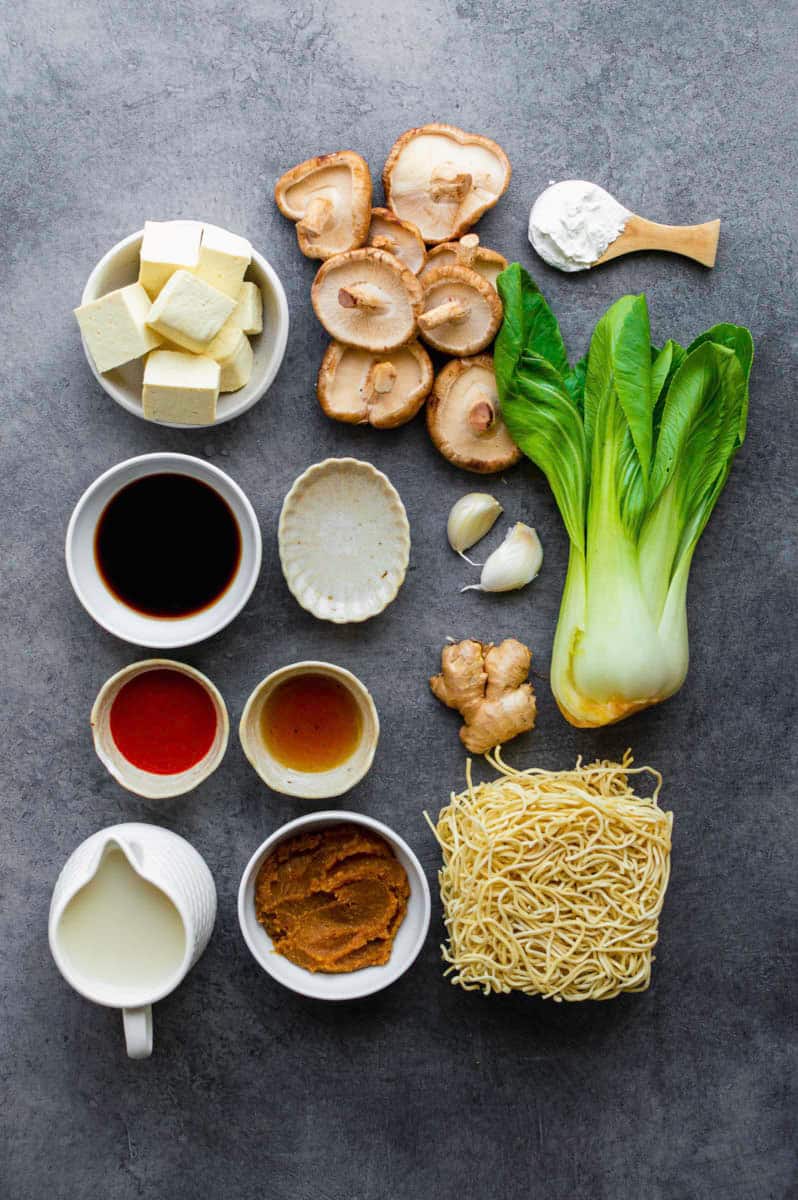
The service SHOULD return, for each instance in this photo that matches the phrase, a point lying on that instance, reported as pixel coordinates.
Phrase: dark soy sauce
(167, 545)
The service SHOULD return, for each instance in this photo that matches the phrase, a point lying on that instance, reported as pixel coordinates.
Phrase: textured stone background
(120, 111)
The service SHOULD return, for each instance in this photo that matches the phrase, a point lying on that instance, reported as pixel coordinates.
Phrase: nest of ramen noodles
(553, 881)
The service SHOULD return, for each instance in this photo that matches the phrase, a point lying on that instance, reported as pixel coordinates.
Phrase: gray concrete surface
(120, 111)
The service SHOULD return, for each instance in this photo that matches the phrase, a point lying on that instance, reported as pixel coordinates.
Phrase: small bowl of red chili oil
(160, 727)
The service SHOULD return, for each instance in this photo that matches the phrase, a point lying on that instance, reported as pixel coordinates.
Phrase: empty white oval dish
(344, 540)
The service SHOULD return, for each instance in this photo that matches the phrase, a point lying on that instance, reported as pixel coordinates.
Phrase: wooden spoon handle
(699, 242)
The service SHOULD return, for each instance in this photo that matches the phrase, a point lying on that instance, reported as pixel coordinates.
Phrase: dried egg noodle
(553, 881)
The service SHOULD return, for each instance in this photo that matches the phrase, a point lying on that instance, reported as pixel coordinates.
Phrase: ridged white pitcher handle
(138, 1031)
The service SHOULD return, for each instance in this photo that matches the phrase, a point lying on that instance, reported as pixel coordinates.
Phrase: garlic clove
(514, 564)
(470, 519)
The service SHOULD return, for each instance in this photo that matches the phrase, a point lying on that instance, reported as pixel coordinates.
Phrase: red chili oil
(163, 721)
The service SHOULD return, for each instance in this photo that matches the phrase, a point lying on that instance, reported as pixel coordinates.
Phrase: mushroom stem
(482, 415)
(380, 379)
(317, 216)
(467, 249)
(450, 312)
(360, 295)
(383, 242)
(447, 184)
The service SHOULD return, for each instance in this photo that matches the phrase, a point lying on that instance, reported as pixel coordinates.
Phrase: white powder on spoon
(573, 222)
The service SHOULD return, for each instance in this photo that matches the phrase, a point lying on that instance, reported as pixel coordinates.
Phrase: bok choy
(636, 444)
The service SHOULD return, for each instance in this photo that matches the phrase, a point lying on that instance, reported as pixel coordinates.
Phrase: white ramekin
(355, 984)
(162, 633)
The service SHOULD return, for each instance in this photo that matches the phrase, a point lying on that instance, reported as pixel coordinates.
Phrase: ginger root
(488, 685)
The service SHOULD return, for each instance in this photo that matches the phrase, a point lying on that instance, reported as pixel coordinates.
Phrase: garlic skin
(514, 564)
(470, 519)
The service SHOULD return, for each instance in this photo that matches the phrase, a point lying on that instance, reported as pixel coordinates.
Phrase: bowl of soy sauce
(163, 550)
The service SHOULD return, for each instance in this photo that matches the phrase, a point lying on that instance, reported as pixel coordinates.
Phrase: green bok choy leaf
(636, 444)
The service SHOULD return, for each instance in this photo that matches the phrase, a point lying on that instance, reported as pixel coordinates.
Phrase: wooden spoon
(699, 242)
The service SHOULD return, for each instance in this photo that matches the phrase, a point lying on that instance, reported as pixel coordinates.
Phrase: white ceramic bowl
(407, 943)
(146, 783)
(307, 785)
(344, 540)
(100, 603)
(120, 266)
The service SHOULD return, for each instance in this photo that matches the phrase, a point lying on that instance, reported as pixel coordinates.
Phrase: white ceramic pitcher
(172, 866)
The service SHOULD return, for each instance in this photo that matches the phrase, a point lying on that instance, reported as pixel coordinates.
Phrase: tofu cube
(167, 246)
(115, 327)
(231, 349)
(181, 388)
(248, 312)
(223, 259)
(189, 312)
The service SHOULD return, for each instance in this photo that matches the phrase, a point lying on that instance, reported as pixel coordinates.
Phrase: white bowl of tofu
(184, 324)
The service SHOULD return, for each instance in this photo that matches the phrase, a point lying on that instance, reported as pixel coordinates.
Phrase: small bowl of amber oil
(310, 730)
